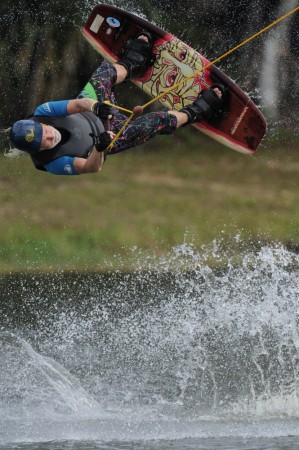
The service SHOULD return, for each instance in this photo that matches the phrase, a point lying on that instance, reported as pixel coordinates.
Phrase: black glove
(101, 142)
(102, 111)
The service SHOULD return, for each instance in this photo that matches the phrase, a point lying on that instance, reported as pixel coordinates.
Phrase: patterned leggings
(141, 129)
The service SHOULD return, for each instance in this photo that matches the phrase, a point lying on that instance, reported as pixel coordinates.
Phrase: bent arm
(96, 158)
(93, 164)
(71, 165)
(62, 108)
(80, 105)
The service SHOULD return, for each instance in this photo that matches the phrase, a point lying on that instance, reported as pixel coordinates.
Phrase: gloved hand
(102, 111)
(101, 141)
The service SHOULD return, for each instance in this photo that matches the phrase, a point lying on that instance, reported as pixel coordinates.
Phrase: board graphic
(241, 126)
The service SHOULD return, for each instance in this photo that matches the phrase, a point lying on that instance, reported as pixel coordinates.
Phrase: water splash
(37, 383)
(195, 337)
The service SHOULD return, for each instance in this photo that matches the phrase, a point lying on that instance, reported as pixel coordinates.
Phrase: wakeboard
(241, 126)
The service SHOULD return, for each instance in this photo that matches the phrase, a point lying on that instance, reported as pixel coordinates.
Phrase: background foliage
(45, 57)
(168, 192)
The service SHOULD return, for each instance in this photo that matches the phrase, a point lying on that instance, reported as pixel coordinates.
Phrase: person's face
(50, 138)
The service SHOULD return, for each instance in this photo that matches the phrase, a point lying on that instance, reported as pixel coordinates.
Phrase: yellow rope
(207, 66)
(118, 107)
(123, 127)
(120, 132)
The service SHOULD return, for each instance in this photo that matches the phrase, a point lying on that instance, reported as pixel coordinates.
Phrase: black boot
(207, 105)
(138, 56)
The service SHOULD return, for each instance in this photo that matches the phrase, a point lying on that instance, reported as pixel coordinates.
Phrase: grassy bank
(177, 189)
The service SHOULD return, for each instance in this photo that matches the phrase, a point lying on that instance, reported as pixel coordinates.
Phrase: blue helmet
(27, 135)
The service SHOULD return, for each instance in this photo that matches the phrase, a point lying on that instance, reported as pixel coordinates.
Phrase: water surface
(181, 355)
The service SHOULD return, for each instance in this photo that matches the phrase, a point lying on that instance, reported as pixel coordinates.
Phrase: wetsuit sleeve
(52, 109)
(64, 165)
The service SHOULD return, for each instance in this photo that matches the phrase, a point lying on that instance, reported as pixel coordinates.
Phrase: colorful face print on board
(175, 61)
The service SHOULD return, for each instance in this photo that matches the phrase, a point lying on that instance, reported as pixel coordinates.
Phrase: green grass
(177, 189)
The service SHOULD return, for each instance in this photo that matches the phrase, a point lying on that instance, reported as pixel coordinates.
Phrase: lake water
(175, 355)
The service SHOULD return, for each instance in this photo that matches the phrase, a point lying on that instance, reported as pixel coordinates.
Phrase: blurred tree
(43, 52)
(45, 57)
